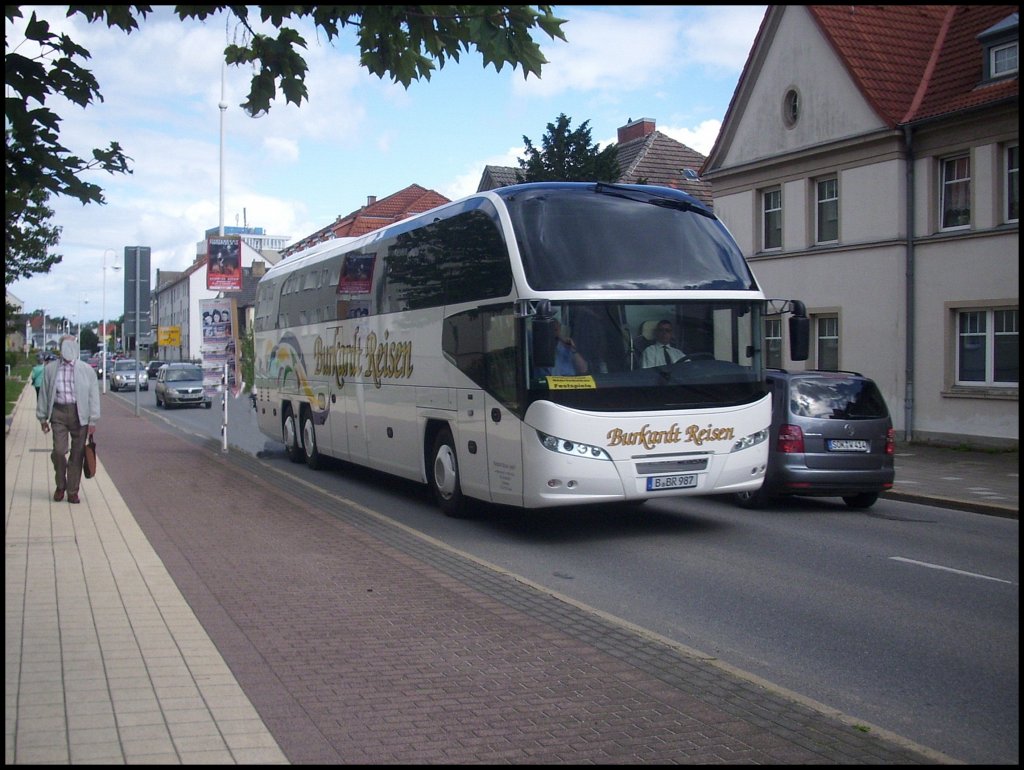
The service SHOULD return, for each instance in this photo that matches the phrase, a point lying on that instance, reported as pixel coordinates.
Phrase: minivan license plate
(847, 445)
(671, 482)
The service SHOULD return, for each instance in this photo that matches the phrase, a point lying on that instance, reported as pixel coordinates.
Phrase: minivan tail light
(890, 442)
(791, 439)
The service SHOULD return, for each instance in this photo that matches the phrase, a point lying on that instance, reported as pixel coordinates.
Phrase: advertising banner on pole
(224, 263)
(220, 344)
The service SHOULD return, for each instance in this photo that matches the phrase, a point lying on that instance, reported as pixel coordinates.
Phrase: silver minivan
(831, 436)
(181, 384)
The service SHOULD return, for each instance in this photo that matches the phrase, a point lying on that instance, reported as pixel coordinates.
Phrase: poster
(356, 273)
(224, 263)
(220, 344)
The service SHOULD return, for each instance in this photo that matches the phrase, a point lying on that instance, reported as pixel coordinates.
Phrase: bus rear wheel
(290, 436)
(313, 457)
(444, 476)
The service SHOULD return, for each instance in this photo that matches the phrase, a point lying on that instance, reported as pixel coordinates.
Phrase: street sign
(169, 336)
(136, 289)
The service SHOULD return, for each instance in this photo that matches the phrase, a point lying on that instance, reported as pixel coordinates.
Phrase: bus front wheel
(290, 436)
(444, 476)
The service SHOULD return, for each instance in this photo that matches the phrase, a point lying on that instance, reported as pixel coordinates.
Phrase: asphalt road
(905, 615)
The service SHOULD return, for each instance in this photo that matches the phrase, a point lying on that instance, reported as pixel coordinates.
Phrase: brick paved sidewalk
(105, 663)
(359, 642)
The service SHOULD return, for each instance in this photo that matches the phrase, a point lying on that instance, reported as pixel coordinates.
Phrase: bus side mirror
(799, 337)
(544, 341)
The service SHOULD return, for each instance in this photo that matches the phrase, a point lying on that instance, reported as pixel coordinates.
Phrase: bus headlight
(748, 441)
(573, 448)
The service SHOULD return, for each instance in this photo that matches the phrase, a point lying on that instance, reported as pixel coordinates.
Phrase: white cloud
(466, 183)
(293, 170)
(702, 138)
(606, 52)
(632, 49)
(281, 148)
(719, 37)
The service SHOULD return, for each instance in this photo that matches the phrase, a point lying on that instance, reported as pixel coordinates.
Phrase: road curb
(956, 504)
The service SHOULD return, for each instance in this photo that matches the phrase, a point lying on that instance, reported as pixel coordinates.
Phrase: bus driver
(661, 352)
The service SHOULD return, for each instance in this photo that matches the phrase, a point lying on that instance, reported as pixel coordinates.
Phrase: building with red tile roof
(868, 165)
(374, 215)
(645, 156)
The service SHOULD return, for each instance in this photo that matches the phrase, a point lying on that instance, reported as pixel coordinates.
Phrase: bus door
(504, 453)
(472, 443)
(352, 408)
(337, 424)
(503, 427)
(482, 344)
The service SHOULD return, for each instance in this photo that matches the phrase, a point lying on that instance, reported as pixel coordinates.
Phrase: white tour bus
(437, 349)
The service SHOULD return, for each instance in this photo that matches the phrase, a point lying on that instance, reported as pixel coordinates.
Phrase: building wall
(862, 278)
(832, 107)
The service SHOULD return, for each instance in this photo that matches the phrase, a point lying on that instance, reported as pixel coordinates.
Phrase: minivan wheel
(752, 499)
(861, 501)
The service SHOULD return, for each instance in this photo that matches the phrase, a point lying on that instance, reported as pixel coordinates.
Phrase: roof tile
(915, 61)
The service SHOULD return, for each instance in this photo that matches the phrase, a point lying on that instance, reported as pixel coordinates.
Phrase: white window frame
(985, 329)
(955, 187)
(826, 340)
(1011, 186)
(1009, 64)
(773, 342)
(771, 197)
(826, 196)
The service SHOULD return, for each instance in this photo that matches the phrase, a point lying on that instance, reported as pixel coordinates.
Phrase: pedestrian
(37, 375)
(69, 405)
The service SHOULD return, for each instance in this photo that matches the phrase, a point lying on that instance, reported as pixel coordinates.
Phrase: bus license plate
(847, 445)
(671, 482)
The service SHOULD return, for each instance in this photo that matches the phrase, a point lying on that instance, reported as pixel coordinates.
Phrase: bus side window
(499, 328)
(482, 344)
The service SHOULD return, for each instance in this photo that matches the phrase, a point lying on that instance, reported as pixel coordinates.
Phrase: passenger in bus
(568, 361)
(661, 352)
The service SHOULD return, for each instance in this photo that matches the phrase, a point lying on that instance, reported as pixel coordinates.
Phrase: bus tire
(444, 476)
(312, 454)
(290, 436)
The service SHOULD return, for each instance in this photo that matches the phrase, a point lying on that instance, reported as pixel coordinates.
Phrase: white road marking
(949, 569)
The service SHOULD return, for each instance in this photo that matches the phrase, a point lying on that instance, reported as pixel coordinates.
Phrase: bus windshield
(647, 355)
(591, 238)
(613, 356)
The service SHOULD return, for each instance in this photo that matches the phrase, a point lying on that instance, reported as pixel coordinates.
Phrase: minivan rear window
(837, 399)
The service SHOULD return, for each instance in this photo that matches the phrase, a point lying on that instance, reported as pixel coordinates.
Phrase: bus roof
(326, 249)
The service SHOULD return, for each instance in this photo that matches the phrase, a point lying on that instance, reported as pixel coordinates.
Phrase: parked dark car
(152, 368)
(831, 436)
(180, 384)
(96, 362)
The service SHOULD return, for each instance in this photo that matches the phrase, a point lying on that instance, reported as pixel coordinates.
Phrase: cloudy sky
(295, 170)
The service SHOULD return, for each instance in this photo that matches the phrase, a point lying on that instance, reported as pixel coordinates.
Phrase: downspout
(908, 397)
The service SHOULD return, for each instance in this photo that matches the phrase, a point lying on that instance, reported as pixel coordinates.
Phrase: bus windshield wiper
(605, 188)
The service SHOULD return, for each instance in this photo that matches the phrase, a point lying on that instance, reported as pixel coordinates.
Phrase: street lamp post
(81, 301)
(114, 267)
